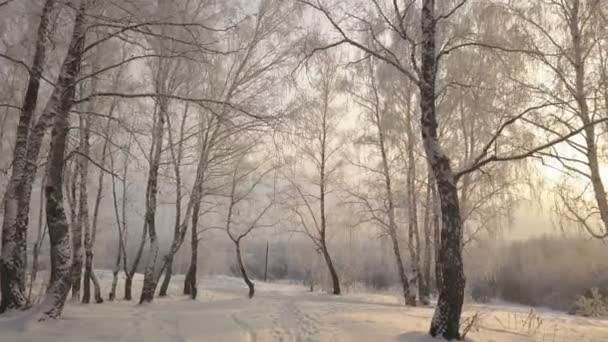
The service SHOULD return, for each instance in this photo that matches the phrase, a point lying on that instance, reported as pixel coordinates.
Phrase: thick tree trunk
(88, 267)
(16, 200)
(168, 272)
(149, 285)
(446, 319)
(59, 284)
(128, 287)
(239, 259)
(190, 283)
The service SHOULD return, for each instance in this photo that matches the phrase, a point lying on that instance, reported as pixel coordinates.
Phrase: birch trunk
(190, 283)
(16, 200)
(405, 287)
(59, 284)
(322, 192)
(206, 143)
(413, 233)
(579, 64)
(179, 229)
(446, 318)
(37, 245)
(150, 279)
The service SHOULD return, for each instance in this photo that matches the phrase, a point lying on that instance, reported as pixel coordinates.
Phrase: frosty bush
(593, 304)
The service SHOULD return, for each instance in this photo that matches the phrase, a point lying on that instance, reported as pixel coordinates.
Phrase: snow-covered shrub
(592, 304)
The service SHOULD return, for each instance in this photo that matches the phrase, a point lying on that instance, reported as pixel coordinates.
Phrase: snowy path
(285, 313)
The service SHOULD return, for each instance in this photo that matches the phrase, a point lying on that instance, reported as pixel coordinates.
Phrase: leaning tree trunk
(150, 279)
(332, 270)
(140, 250)
(14, 226)
(410, 299)
(59, 285)
(164, 287)
(446, 319)
(322, 192)
(239, 259)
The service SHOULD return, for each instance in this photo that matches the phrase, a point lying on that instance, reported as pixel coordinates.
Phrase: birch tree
(243, 215)
(17, 197)
(318, 142)
(59, 284)
(569, 44)
(376, 114)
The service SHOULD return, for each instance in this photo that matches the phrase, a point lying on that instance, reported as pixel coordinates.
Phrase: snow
(283, 312)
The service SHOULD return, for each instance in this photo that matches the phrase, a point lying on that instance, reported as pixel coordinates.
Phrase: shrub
(593, 304)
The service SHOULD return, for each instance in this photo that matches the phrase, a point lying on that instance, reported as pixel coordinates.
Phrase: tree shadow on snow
(416, 336)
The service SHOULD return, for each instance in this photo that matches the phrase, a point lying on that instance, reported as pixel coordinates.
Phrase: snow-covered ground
(283, 312)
